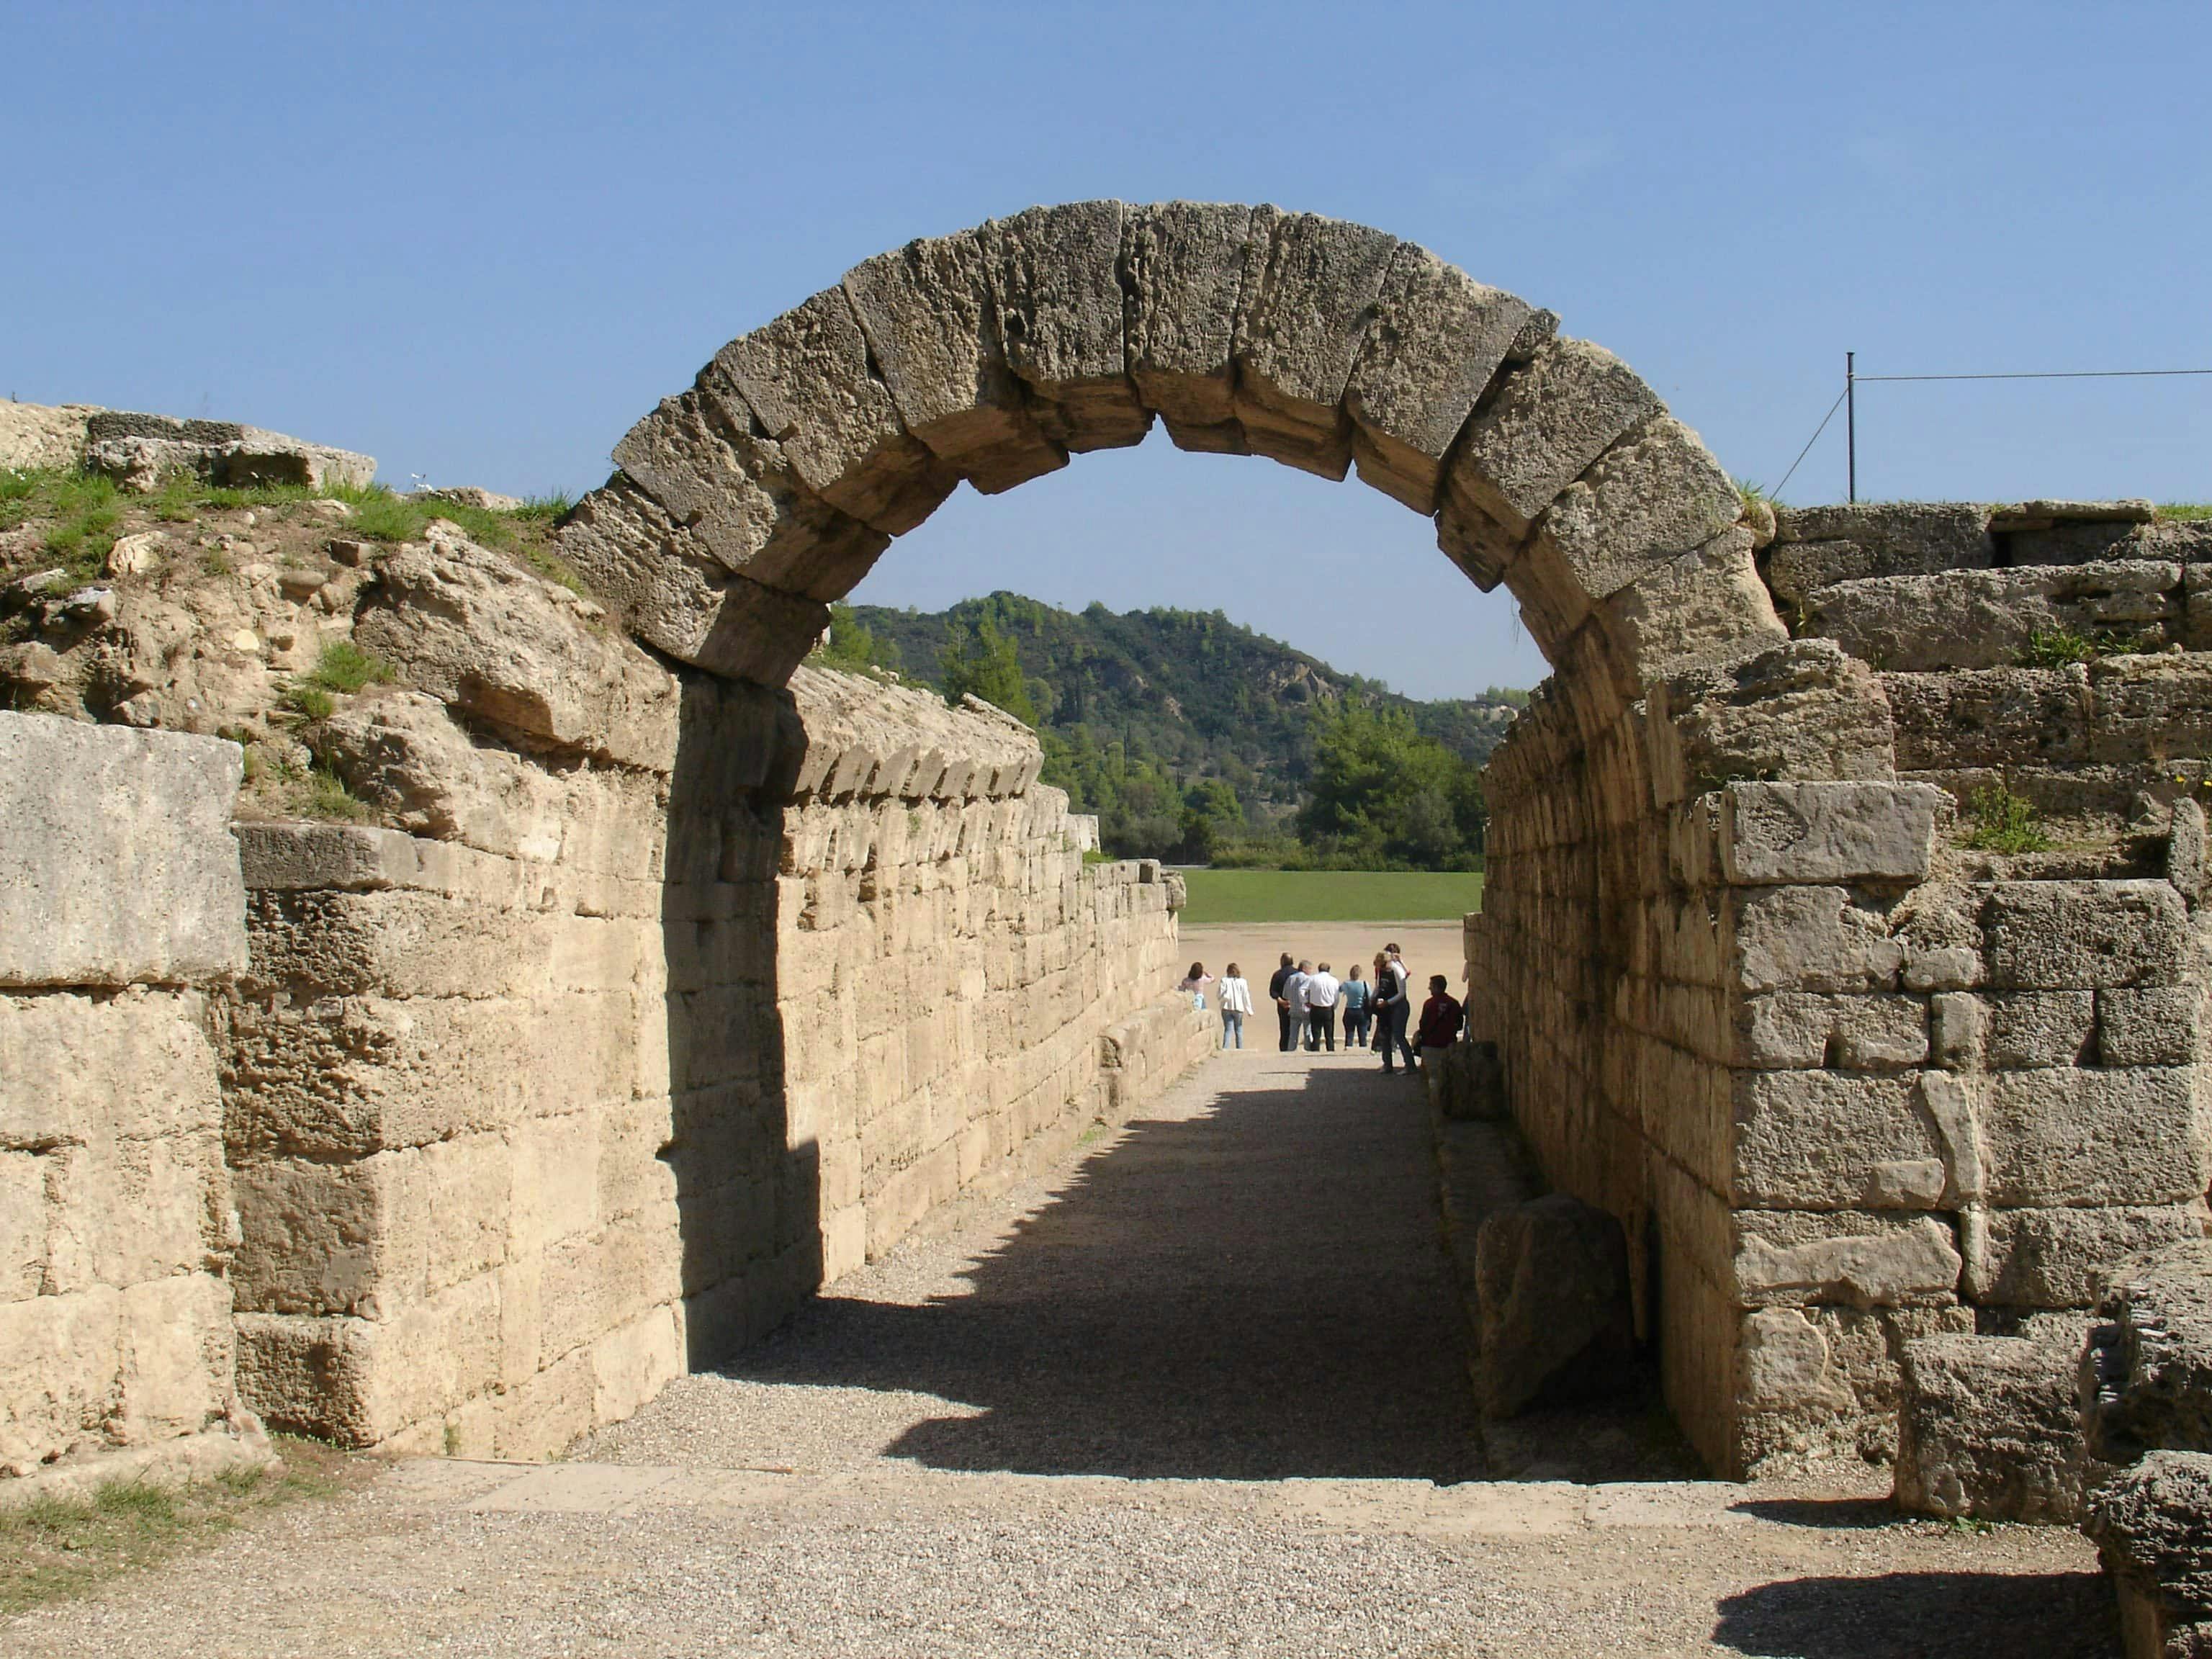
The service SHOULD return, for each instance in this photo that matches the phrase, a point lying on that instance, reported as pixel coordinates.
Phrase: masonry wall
(1848, 1077)
(640, 1031)
(116, 1226)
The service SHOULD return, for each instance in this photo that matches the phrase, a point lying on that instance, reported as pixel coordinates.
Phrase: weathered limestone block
(349, 1077)
(75, 1068)
(2079, 1135)
(1545, 425)
(1986, 618)
(1706, 603)
(372, 1238)
(932, 326)
(1824, 1141)
(1817, 547)
(1655, 495)
(2146, 1378)
(1989, 717)
(2152, 1525)
(2059, 1258)
(1552, 1288)
(808, 380)
(41, 437)
(1803, 710)
(1989, 1428)
(1859, 1258)
(2030, 1028)
(1186, 264)
(2151, 708)
(703, 460)
(2083, 934)
(404, 755)
(1808, 939)
(139, 451)
(1775, 833)
(1805, 1031)
(1820, 1383)
(1300, 327)
(2153, 1026)
(1437, 340)
(92, 812)
(1055, 275)
(508, 648)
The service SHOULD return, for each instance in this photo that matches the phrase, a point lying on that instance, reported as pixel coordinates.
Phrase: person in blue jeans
(1394, 1009)
(1358, 997)
(1235, 1003)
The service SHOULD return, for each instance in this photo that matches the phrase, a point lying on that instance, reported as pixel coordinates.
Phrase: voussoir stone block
(1186, 264)
(1773, 834)
(116, 864)
(1545, 424)
(1702, 604)
(702, 458)
(1299, 326)
(673, 594)
(1655, 495)
(1056, 277)
(1437, 340)
(1987, 1427)
(808, 380)
(932, 322)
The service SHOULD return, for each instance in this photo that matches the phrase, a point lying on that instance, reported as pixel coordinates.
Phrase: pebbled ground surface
(1200, 1391)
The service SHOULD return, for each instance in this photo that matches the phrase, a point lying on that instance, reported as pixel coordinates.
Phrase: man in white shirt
(1320, 992)
(1294, 993)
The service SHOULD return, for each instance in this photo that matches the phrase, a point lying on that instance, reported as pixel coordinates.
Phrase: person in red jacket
(1441, 1018)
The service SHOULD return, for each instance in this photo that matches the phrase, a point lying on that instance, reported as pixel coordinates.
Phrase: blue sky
(478, 241)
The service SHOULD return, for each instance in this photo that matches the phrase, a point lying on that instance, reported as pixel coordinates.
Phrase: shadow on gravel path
(1906, 1615)
(1256, 1291)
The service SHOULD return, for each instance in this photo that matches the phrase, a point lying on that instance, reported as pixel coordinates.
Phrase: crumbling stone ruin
(1841, 938)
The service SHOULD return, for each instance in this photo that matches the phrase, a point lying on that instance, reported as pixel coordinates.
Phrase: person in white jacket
(1235, 1002)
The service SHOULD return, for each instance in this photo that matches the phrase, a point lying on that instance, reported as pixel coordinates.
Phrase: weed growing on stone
(85, 508)
(308, 702)
(2185, 510)
(2004, 822)
(344, 666)
(328, 797)
(53, 1549)
(543, 561)
(2055, 648)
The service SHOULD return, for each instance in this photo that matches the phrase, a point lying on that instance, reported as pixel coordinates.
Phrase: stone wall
(1848, 1079)
(672, 1000)
(119, 906)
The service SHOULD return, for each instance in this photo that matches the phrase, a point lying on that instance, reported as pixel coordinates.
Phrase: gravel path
(1191, 1396)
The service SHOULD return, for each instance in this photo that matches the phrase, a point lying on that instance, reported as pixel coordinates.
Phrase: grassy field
(1329, 895)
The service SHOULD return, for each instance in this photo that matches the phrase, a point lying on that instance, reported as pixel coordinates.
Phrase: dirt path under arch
(1198, 1391)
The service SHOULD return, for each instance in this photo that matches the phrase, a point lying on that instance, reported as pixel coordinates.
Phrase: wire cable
(2057, 375)
(1810, 442)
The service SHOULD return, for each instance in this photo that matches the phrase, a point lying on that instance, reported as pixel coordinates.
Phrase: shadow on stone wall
(748, 1201)
(1246, 1295)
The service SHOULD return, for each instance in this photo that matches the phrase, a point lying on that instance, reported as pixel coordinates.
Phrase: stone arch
(1678, 798)
(747, 503)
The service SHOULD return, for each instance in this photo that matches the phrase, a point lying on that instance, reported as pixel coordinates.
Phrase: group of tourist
(1376, 1014)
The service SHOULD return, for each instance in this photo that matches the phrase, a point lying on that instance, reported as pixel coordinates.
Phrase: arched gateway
(1691, 822)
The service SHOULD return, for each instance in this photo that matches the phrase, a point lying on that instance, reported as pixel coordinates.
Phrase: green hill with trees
(1196, 739)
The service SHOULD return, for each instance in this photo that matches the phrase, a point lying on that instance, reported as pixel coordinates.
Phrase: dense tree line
(1197, 740)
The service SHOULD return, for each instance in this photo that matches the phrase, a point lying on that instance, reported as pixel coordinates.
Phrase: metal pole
(1851, 421)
